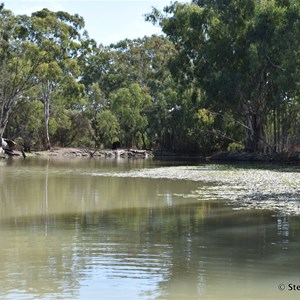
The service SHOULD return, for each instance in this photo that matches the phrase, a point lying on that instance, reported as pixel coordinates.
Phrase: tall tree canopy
(224, 76)
(19, 60)
(40, 51)
(244, 54)
(60, 36)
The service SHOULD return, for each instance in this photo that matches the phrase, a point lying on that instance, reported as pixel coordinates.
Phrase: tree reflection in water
(72, 236)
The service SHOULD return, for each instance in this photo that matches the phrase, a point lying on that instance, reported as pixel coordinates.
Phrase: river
(146, 229)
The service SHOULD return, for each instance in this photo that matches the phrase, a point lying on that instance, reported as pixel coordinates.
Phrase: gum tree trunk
(47, 90)
(255, 134)
(47, 114)
(6, 107)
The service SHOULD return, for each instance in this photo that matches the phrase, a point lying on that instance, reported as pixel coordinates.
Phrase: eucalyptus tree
(106, 129)
(145, 62)
(19, 60)
(97, 110)
(26, 124)
(130, 104)
(59, 36)
(142, 62)
(104, 68)
(244, 55)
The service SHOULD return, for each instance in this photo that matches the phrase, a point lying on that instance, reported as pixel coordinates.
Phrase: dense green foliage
(225, 77)
(244, 56)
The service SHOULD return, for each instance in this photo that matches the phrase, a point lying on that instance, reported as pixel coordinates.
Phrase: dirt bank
(77, 152)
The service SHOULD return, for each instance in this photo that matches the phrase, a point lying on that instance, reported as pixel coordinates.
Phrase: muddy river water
(145, 229)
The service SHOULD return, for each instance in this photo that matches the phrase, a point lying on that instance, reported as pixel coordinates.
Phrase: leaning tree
(44, 51)
(19, 60)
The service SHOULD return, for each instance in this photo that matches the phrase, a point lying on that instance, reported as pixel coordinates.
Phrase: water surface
(77, 229)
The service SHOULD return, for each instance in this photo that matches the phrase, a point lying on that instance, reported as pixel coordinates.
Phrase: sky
(107, 21)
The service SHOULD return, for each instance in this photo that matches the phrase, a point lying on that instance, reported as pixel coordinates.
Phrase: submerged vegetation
(245, 187)
(224, 77)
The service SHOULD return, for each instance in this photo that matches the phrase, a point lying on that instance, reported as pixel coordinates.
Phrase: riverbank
(286, 157)
(255, 157)
(77, 152)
